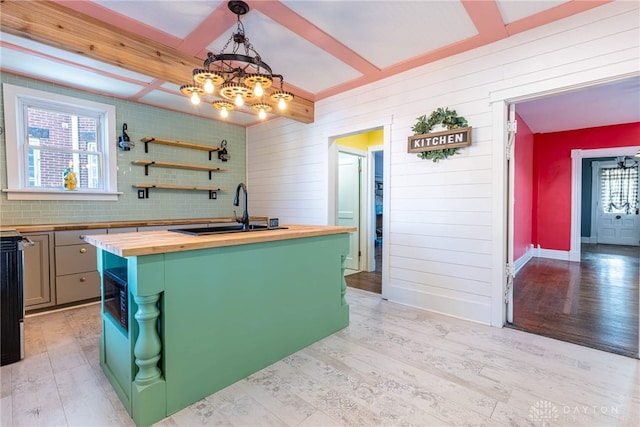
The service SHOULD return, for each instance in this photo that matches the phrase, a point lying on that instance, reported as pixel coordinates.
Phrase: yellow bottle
(70, 181)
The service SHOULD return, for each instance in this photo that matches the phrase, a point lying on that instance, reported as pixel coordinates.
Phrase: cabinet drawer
(75, 259)
(77, 287)
(74, 237)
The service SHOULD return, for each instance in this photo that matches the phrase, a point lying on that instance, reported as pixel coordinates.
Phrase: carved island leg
(148, 345)
(148, 394)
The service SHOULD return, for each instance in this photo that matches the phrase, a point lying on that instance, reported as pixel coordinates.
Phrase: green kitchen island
(206, 311)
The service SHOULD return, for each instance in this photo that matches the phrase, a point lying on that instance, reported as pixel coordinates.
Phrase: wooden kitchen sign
(460, 137)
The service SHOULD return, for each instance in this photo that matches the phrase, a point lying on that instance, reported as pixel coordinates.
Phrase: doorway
(371, 280)
(586, 294)
(367, 148)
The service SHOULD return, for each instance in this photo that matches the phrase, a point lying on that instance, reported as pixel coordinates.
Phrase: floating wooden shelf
(212, 190)
(162, 141)
(147, 163)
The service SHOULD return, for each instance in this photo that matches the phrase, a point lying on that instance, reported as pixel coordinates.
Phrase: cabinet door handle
(83, 279)
(83, 250)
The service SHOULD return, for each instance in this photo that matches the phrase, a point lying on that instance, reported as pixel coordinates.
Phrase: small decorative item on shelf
(69, 176)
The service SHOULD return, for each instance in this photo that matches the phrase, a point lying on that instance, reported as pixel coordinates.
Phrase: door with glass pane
(617, 216)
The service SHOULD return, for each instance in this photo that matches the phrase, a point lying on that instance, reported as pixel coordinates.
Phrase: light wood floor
(394, 365)
(593, 302)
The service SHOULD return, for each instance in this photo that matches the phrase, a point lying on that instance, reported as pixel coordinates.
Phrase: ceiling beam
(52, 24)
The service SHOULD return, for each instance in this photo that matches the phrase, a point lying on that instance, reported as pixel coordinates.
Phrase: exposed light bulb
(262, 114)
(208, 86)
(224, 113)
(195, 99)
(258, 91)
(282, 104)
(239, 100)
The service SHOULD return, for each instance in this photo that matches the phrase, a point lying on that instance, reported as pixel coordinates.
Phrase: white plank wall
(443, 241)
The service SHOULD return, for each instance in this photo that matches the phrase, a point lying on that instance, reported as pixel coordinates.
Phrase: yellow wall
(362, 141)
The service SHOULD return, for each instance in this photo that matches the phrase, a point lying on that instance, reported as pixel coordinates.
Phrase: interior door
(617, 219)
(349, 204)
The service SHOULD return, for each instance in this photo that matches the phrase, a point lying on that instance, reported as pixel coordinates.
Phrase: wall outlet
(140, 194)
(213, 195)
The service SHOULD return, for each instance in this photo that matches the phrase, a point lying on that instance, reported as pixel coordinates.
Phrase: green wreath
(445, 117)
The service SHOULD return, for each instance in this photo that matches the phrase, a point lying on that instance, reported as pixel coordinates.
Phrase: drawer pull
(82, 237)
(83, 250)
(83, 279)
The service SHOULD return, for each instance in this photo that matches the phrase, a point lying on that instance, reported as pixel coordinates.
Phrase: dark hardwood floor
(593, 303)
(368, 280)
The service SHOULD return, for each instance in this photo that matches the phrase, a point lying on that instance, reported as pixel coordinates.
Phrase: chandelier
(240, 75)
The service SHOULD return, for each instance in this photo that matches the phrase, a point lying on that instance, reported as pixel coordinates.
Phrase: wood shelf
(212, 190)
(172, 142)
(147, 163)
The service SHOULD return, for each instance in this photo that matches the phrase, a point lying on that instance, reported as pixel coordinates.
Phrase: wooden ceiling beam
(53, 24)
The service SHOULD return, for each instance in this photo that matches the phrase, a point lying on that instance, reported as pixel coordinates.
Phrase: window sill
(24, 194)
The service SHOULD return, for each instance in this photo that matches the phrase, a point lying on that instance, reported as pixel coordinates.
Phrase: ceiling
(321, 47)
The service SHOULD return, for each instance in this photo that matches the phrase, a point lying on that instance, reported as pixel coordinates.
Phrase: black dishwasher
(11, 298)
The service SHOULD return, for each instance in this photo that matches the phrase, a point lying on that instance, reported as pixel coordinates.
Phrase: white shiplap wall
(444, 223)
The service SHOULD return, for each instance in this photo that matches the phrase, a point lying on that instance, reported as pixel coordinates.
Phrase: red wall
(523, 189)
(552, 177)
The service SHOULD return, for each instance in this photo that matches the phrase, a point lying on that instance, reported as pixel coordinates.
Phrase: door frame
(576, 189)
(371, 204)
(510, 180)
(332, 186)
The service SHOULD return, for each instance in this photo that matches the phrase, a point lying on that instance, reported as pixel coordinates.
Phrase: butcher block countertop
(157, 242)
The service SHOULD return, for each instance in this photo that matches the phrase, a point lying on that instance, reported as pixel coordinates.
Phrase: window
(619, 190)
(49, 135)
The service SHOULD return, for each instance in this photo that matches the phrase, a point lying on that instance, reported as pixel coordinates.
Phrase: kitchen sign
(454, 138)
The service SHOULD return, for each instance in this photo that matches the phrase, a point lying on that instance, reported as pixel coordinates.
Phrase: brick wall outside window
(54, 131)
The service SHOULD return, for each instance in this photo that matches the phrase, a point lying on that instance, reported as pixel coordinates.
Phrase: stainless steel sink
(221, 229)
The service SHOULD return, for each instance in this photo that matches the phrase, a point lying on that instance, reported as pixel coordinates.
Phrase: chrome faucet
(244, 220)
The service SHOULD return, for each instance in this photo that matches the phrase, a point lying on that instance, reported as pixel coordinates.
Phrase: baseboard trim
(553, 254)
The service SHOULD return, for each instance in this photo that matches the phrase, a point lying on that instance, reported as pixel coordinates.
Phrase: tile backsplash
(142, 120)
